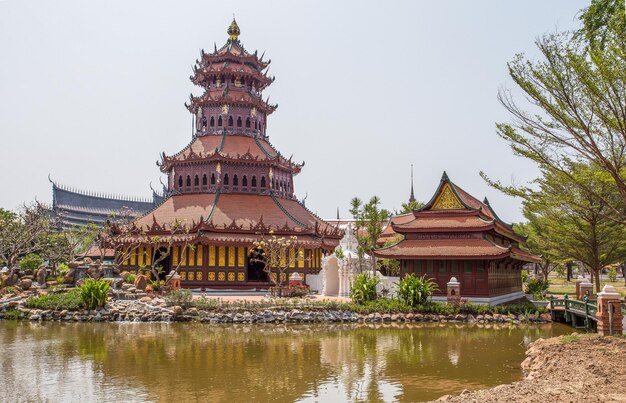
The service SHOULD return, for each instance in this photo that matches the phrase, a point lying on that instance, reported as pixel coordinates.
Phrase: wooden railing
(585, 309)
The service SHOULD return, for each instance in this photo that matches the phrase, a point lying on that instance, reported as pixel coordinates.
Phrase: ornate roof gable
(446, 198)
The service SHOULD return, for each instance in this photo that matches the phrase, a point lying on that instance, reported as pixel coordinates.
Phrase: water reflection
(182, 362)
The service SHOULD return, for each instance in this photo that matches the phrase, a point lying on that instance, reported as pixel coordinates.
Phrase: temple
(456, 235)
(229, 186)
(79, 207)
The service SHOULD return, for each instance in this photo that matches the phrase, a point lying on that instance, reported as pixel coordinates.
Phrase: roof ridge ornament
(233, 30)
(444, 176)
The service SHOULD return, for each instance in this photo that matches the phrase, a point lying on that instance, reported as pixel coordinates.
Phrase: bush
(11, 314)
(179, 297)
(294, 289)
(612, 273)
(131, 278)
(71, 301)
(60, 279)
(63, 269)
(6, 291)
(93, 293)
(536, 286)
(524, 276)
(32, 261)
(364, 288)
(415, 290)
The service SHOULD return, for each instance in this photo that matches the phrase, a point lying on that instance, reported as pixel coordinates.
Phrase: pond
(236, 363)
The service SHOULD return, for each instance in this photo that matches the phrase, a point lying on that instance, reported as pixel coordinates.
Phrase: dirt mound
(573, 368)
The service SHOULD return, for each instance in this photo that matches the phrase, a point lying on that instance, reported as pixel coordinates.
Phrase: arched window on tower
(188, 181)
(219, 121)
(253, 181)
(204, 180)
(226, 179)
(196, 181)
(235, 180)
(212, 179)
(204, 122)
(180, 181)
(230, 121)
(263, 184)
(248, 123)
(212, 122)
(256, 125)
(244, 181)
(239, 121)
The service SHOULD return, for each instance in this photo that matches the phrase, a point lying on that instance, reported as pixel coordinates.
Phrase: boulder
(177, 310)
(124, 274)
(141, 282)
(26, 283)
(74, 264)
(41, 275)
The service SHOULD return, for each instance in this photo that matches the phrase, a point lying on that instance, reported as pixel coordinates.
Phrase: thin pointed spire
(337, 213)
(412, 197)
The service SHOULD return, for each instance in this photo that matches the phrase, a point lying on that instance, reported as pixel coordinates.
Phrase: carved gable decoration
(447, 200)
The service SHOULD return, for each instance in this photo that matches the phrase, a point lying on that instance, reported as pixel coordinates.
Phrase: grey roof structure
(76, 207)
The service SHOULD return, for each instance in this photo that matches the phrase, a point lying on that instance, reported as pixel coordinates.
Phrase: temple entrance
(164, 262)
(255, 269)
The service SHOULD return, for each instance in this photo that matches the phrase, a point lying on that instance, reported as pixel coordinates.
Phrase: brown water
(241, 363)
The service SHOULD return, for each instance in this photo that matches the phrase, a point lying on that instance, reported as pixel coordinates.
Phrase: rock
(545, 317)
(26, 283)
(41, 276)
(192, 312)
(124, 274)
(127, 286)
(145, 299)
(141, 282)
(177, 311)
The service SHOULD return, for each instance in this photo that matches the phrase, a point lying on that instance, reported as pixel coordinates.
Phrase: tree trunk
(624, 272)
(596, 275)
(569, 271)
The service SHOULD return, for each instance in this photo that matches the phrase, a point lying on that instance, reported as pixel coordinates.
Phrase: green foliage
(415, 290)
(410, 206)
(12, 314)
(612, 274)
(570, 338)
(32, 261)
(364, 288)
(94, 293)
(131, 278)
(560, 272)
(157, 285)
(369, 220)
(524, 276)
(339, 252)
(63, 268)
(60, 279)
(536, 286)
(6, 291)
(71, 301)
(179, 297)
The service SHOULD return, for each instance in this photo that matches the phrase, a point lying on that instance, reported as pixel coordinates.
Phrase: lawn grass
(559, 286)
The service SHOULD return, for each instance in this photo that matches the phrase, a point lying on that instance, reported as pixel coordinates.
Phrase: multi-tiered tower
(229, 185)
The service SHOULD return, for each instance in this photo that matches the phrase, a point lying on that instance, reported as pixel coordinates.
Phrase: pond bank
(158, 310)
(574, 368)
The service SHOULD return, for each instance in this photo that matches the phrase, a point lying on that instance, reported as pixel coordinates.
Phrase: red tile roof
(443, 249)
(232, 145)
(445, 223)
(238, 212)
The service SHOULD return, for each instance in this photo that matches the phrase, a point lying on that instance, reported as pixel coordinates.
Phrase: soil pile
(573, 368)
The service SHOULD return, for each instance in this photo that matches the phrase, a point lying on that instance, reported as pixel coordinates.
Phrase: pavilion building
(229, 185)
(456, 235)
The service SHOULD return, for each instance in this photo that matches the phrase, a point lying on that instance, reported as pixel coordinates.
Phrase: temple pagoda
(229, 185)
(456, 235)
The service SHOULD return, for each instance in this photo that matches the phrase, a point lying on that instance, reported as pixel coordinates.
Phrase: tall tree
(576, 97)
(369, 222)
(566, 222)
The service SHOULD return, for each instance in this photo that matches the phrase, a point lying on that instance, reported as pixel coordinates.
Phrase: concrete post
(584, 288)
(454, 291)
(609, 312)
(578, 281)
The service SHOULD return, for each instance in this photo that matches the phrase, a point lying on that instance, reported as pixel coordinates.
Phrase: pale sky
(92, 92)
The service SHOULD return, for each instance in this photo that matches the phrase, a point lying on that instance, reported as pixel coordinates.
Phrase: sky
(92, 92)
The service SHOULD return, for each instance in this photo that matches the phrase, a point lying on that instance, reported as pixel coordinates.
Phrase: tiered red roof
(453, 224)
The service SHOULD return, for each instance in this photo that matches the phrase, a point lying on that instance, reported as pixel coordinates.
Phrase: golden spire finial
(233, 30)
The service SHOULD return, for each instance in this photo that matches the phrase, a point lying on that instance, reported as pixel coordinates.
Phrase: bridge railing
(572, 308)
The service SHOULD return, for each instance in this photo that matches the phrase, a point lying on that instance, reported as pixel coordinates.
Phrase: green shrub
(6, 291)
(32, 261)
(60, 279)
(11, 314)
(612, 274)
(536, 286)
(63, 269)
(93, 293)
(415, 290)
(179, 297)
(71, 301)
(364, 288)
(524, 276)
(131, 278)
